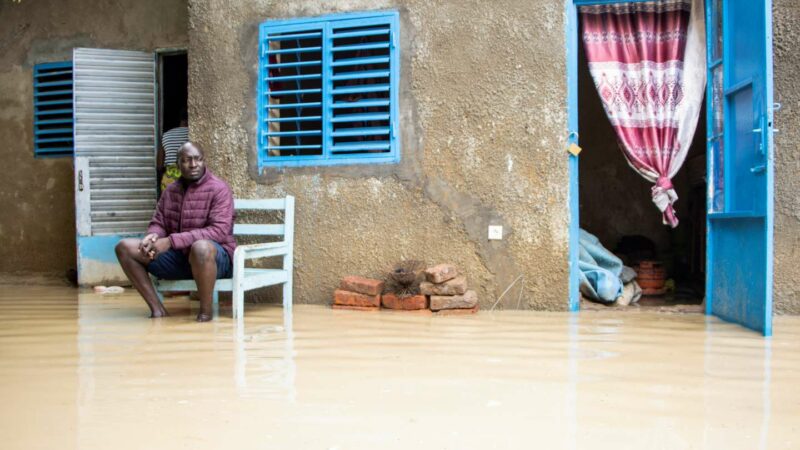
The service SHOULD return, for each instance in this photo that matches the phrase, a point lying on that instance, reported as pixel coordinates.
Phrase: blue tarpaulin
(599, 270)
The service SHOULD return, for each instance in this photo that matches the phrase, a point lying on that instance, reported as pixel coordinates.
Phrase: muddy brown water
(88, 371)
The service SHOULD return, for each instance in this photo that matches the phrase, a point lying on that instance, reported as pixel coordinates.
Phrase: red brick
(361, 285)
(468, 300)
(355, 308)
(457, 312)
(348, 298)
(414, 302)
(456, 286)
(441, 273)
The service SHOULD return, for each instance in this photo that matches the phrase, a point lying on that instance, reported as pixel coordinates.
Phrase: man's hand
(146, 246)
(159, 246)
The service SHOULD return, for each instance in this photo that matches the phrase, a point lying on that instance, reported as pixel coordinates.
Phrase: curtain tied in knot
(664, 196)
(647, 60)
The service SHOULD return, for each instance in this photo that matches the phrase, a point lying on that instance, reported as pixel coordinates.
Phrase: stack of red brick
(444, 292)
(447, 290)
(358, 293)
(365, 294)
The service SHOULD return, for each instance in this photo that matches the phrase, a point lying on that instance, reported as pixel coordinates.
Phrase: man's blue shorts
(174, 265)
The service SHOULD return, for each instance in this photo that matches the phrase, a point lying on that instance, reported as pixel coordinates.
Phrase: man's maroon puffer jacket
(190, 212)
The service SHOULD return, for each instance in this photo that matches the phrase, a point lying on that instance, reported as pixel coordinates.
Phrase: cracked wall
(483, 95)
(483, 113)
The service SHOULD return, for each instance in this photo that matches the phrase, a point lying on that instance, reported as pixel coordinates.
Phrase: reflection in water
(90, 371)
(767, 403)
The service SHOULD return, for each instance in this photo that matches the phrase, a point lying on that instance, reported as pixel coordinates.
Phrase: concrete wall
(787, 158)
(483, 115)
(483, 95)
(37, 219)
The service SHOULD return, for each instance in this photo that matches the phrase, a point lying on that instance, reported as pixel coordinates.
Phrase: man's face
(191, 163)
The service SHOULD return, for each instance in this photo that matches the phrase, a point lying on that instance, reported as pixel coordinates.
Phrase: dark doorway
(173, 81)
(173, 91)
(616, 205)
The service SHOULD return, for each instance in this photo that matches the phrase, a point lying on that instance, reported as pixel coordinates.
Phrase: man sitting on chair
(190, 235)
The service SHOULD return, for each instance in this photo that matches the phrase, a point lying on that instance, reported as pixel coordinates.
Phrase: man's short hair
(193, 144)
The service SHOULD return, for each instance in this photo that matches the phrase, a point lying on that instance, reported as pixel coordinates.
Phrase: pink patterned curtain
(647, 60)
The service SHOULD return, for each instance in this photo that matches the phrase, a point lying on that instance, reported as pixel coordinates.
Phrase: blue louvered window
(327, 91)
(52, 109)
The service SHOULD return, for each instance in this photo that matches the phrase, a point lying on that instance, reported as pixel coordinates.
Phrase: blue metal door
(740, 172)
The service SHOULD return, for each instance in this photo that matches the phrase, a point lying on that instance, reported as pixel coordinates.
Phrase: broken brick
(468, 300)
(441, 273)
(355, 308)
(347, 298)
(414, 302)
(361, 285)
(456, 286)
(457, 312)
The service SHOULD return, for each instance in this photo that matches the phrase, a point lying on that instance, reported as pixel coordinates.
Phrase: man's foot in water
(158, 312)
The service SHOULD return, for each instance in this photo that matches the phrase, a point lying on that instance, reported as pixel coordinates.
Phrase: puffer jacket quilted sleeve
(218, 224)
(157, 223)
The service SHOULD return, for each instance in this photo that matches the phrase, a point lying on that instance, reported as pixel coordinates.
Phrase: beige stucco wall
(37, 212)
(483, 92)
(786, 26)
(483, 110)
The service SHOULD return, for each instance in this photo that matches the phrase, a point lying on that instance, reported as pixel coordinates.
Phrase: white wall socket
(495, 232)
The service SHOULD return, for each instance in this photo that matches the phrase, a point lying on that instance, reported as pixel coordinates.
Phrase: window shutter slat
(362, 97)
(53, 118)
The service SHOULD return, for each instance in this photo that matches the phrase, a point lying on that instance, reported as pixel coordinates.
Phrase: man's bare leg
(203, 258)
(134, 265)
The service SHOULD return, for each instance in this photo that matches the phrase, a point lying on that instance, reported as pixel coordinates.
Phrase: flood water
(83, 370)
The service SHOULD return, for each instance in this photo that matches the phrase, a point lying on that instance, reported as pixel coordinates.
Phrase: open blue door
(740, 169)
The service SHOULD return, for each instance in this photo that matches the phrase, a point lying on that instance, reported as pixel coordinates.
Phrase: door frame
(572, 40)
(160, 53)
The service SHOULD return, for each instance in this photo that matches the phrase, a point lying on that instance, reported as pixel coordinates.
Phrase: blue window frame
(53, 119)
(327, 90)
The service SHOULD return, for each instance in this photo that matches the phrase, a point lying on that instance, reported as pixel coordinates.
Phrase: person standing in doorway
(168, 153)
(190, 235)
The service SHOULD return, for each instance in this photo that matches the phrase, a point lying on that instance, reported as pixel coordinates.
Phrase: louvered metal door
(115, 176)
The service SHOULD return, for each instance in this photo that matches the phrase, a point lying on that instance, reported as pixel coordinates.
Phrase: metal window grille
(327, 90)
(53, 120)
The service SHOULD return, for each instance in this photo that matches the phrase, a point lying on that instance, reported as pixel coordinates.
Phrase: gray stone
(468, 300)
(456, 286)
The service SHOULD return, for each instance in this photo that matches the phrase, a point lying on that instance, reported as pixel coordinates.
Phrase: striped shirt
(171, 142)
